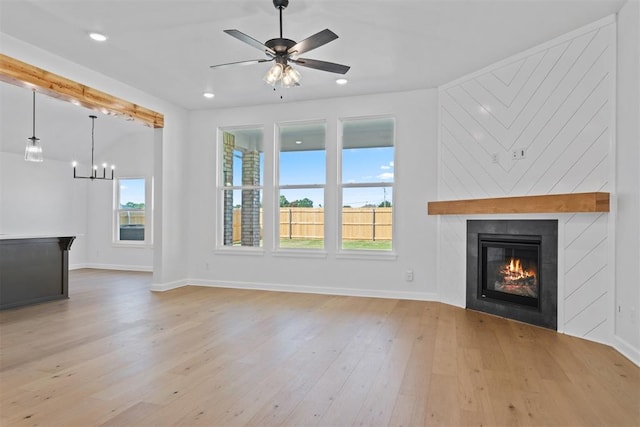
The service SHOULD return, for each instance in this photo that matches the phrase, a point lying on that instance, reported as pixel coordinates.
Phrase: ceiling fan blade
(250, 41)
(249, 62)
(316, 40)
(331, 67)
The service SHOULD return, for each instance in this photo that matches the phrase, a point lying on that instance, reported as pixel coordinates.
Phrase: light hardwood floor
(116, 354)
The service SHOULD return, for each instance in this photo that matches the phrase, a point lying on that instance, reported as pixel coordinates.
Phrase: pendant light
(33, 152)
(94, 167)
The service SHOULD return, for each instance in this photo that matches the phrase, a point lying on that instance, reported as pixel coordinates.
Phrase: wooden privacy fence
(367, 223)
(308, 223)
(131, 217)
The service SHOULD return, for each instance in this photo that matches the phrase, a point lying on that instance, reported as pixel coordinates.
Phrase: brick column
(227, 176)
(250, 198)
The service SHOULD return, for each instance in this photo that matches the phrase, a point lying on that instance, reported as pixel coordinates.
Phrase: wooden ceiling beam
(22, 74)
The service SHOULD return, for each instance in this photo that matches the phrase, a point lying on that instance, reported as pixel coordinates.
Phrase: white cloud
(385, 175)
(385, 167)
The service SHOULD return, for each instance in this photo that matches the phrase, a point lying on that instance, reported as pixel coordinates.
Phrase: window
(130, 210)
(302, 178)
(242, 157)
(367, 184)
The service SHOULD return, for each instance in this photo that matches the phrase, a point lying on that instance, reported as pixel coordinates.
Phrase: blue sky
(131, 190)
(361, 165)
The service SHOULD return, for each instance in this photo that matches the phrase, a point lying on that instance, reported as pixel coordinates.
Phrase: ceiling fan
(285, 51)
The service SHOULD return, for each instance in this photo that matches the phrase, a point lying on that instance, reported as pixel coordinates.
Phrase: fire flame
(514, 271)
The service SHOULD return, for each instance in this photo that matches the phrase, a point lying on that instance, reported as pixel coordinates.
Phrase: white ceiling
(165, 47)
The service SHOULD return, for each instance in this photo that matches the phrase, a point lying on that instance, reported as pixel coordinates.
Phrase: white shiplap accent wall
(556, 103)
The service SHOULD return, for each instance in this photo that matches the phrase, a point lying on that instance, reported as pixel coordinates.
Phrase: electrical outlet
(408, 275)
(519, 154)
(494, 158)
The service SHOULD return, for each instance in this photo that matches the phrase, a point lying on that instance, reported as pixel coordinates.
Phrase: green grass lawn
(348, 244)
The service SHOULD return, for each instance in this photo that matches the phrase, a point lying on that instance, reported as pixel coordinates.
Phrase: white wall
(169, 246)
(43, 199)
(415, 180)
(627, 327)
(133, 156)
(556, 102)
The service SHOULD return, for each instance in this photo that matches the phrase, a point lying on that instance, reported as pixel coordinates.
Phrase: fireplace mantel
(549, 203)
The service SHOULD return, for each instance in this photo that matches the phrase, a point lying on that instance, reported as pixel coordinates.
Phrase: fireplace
(509, 268)
(512, 269)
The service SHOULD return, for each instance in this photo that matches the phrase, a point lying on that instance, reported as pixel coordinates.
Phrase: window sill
(132, 245)
(239, 250)
(373, 255)
(300, 253)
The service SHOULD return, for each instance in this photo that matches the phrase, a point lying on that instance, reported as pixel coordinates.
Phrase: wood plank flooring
(116, 354)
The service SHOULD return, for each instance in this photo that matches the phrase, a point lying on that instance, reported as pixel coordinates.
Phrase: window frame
(278, 249)
(341, 252)
(148, 213)
(222, 187)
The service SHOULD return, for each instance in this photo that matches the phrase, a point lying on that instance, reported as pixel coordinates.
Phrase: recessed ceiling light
(209, 95)
(98, 37)
(342, 81)
(298, 142)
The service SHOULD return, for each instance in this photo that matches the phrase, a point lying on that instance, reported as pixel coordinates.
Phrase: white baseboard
(162, 287)
(118, 267)
(627, 350)
(353, 292)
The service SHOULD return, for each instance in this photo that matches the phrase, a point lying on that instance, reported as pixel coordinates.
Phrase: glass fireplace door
(510, 270)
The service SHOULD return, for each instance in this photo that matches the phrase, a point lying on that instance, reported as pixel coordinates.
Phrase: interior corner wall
(556, 103)
(627, 300)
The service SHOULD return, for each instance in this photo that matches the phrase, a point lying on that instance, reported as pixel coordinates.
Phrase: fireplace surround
(512, 269)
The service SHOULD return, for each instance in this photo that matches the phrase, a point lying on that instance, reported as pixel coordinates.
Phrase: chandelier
(94, 170)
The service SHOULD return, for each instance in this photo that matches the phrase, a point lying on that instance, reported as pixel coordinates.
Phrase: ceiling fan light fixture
(274, 74)
(284, 50)
(291, 77)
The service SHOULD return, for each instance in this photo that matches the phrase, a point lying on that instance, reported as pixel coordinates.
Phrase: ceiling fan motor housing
(280, 45)
(281, 4)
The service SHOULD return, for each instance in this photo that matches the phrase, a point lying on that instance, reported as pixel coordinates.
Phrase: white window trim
(277, 249)
(221, 187)
(377, 254)
(147, 243)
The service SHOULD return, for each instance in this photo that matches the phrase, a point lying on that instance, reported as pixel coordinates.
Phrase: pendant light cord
(93, 124)
(34, 113)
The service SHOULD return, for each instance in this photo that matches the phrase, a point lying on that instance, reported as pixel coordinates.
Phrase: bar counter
(33, 269)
